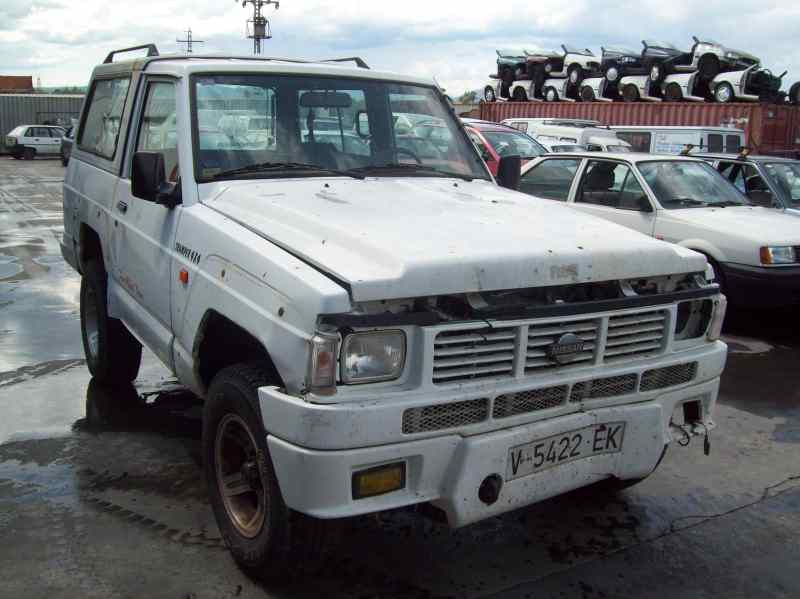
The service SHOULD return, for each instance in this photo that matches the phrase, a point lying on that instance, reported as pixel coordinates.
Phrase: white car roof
(182, 65)
(630, 157)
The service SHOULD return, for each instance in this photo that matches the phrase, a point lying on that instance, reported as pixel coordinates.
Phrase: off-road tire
(288, 544)
(118, 354)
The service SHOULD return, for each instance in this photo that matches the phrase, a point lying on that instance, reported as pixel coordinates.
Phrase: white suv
(372, 322)
(29, 141)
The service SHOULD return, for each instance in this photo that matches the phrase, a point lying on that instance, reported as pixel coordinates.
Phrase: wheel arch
(89, 247)
(221, 342)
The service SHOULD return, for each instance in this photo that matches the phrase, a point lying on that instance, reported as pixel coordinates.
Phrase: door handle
(122, 206)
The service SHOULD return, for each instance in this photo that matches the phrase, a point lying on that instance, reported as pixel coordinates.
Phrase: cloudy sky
(454, 41)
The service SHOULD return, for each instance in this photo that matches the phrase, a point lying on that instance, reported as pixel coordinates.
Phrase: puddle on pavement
(9, 267)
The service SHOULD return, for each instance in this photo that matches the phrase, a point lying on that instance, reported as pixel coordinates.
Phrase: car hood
(765, 226)
(410, 237)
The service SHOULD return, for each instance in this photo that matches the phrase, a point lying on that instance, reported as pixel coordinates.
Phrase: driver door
(144, 232)
(612, 191)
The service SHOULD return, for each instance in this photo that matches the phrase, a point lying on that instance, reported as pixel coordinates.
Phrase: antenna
(189, 41)
(260, 24)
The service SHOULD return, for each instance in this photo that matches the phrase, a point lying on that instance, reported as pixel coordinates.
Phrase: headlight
(372, 357)
(778, 255)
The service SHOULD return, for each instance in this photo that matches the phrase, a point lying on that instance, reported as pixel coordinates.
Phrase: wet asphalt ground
(101, 492)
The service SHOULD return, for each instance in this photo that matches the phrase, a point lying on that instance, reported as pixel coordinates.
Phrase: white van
(588, 134)
(674, 140)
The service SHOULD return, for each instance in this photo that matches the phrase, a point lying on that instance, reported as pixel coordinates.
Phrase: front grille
(540, 336)
(529, 401)
(659, 378)
(473, 354)
(444, 416)
(635, 336)
(607, 387)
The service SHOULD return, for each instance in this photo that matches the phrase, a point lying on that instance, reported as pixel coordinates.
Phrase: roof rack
(359, 61)
(151, 51)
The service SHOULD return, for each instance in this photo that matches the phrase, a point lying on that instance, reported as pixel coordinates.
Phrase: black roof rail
(359, 61)
(151, 51)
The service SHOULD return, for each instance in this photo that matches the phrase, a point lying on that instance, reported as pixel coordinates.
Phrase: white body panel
(675, 139)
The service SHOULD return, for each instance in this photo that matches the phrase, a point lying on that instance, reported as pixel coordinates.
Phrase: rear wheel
(587, 94)
(113, 355)
(794, 94)
(519, 95)
(29, 153)
(266, 538)
(673, 93)
(723, 93)
(708, 67)
(575, 74)
(630, 93)
(550, 94)
(489, 95)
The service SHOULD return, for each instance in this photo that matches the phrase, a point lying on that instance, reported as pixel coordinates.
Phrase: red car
(495, 141)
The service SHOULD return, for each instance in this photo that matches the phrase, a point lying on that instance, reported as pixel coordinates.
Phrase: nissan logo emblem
(566, 349)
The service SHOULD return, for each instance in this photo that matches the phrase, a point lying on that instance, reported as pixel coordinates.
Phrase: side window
(640, 141)
(613, 185)
(158, 129)
(715, 142)
(733, 144)
(485, 154)
(551, 179)
(100, 131)
(30, 132)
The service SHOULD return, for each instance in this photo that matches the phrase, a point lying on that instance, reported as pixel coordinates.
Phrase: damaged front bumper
(316, 449)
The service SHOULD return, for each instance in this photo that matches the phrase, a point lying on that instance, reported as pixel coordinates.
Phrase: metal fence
(36, 109)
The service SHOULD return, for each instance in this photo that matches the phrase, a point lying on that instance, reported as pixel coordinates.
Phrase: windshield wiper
(266, 167)
(411, 167)
(687, 201)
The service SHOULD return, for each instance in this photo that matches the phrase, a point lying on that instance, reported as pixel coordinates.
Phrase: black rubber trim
(422, 319)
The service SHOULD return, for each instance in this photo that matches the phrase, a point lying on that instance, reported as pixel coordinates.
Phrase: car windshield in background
(619, 149)
(786, 176)
(514, 143)
(258, 126)
(684, 184)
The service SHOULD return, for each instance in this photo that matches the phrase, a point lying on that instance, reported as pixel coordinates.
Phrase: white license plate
(527, 459)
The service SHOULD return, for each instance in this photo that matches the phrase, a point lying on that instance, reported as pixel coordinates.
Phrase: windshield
(576, 50)
(785, 176)
(658, 44)
(568, 148)
(514, 143)
(685, 184)
(250, 125)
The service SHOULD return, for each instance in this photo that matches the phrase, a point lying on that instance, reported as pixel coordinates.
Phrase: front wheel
(630, 93)
(29, 153)
(587, 94)
(266, 538)
(519, 95)
(575, 75)
(113, 355)
(723, 93)
(673, 93)
(550, 94)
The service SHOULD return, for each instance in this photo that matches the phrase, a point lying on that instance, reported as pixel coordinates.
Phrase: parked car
(539, 65)
(495, 142)
(575, 64)
(676, 139)
(511, 65)
(371, 332)
(29, 141)
(768, 181)
(66, 145)
(588, 134)
(556, 145)
(753, 251)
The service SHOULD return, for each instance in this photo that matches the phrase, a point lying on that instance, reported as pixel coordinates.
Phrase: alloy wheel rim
(239, 479)
(723, 93)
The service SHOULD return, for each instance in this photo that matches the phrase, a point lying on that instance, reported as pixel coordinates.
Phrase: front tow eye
(489, 491)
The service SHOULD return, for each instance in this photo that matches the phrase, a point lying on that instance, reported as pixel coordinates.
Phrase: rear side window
(715, 142)
(733, 144)
(640, 141)
(551, 179)
(100, 131)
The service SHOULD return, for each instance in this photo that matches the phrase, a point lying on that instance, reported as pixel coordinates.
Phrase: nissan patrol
(371, 321)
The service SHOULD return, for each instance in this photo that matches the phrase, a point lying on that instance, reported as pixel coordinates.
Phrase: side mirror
(644, 204)
(149, 181)
(509, 172)
(362, 124)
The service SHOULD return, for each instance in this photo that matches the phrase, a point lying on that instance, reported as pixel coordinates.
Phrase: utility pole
(189, 41)
(261, 29)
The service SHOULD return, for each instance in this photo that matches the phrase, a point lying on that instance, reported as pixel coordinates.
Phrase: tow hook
(489, 491)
